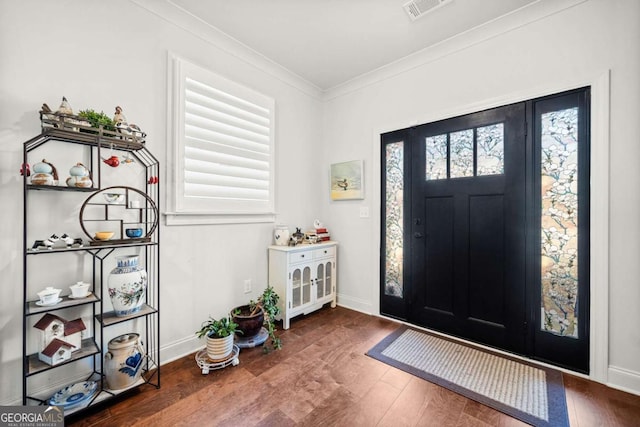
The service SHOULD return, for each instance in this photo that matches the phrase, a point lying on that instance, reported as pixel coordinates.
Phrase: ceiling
(329, 42)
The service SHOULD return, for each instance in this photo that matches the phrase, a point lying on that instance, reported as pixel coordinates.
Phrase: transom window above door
(465, 153)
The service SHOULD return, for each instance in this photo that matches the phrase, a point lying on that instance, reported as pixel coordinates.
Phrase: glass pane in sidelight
(490, 149)
(436, 157)
(461, 149)
(559, 192)
(394, 217)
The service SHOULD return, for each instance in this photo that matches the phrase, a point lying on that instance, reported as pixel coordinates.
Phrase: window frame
(181, 210)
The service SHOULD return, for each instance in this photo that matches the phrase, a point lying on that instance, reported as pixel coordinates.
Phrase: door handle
(418, 235)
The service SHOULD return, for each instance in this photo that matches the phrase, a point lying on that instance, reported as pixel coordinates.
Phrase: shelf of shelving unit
(32, 308)
(71, 129)
(110, 318)
(89, 348)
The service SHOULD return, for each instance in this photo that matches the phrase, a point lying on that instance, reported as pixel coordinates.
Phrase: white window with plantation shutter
(223, 149)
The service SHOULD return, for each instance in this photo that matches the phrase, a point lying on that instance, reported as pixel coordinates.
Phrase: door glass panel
(436, 157)
(490, 149)
(559, 185)
(328, 280)
(295, 285)
(394, 217)
(306, 285)
(320, 281)
(461, 147)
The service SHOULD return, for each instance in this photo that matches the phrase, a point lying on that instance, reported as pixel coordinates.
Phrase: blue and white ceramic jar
(127, 285)
(123, 362)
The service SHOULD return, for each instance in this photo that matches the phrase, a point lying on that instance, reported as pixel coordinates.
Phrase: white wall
(104, 54)
(115, 53)
(578, 44)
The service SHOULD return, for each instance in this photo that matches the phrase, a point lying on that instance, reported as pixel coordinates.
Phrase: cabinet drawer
(301, 256)
(324, 252)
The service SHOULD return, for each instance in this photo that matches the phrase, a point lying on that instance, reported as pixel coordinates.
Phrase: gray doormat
(532, 394)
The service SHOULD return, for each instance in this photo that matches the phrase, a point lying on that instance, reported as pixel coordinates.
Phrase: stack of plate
(74, 395)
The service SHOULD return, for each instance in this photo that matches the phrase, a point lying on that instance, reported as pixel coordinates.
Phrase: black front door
(485, 231)
(468, 226)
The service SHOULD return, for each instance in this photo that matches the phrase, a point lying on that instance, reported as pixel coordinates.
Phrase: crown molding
(518, 18)
(175, 15)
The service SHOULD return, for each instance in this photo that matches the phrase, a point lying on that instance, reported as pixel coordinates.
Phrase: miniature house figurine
(59, 338)
(73, 333)
(52, 327)
(56, 352)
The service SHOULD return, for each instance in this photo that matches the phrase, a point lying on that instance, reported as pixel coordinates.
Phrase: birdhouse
(52, 327)
(56, 352)
(73, 333)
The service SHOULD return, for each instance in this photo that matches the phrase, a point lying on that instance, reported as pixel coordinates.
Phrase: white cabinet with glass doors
(304, 277)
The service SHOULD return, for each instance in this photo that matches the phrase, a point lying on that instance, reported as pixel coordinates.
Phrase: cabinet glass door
(296, 282)
(328, 280)
(306, 285)
(320, 278)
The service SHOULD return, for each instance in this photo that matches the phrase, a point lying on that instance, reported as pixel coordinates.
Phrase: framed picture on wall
(347, 180)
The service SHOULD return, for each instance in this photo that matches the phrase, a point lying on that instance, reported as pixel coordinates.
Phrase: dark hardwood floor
(322, 377)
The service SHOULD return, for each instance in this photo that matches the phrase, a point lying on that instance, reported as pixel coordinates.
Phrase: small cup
(133, 232)
(49, 295)
(79, 290)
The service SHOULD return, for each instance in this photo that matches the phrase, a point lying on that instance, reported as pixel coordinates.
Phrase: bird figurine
(64, 108)
(119, 118)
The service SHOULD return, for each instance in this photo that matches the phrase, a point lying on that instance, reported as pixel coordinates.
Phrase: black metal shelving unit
(66, 129)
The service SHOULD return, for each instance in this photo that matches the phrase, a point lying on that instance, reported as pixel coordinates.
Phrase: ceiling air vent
(419, 8)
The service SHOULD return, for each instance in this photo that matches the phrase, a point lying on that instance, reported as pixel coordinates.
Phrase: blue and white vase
(127, 285)
(124, 360)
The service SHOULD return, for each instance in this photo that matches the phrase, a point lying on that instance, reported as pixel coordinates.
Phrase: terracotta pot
(219, 349)
(250, 325)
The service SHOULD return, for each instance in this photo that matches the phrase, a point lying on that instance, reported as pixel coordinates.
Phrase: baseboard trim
(357, 304)
(624, 380)
(180, 348)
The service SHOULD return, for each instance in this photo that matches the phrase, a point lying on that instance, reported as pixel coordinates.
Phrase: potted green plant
(250, 318)
(268, 302)
(97, 119)
(219, 334)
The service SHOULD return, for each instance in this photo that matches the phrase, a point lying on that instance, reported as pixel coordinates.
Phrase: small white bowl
(113, 197)
(49, 295)
(80, 289)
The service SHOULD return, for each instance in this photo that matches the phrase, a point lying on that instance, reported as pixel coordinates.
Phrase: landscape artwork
(346, 180)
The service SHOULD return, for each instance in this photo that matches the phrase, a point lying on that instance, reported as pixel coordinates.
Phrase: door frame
(599, 209)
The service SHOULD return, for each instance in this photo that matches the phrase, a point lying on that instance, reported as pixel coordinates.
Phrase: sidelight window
(559, 222)
(394, 217)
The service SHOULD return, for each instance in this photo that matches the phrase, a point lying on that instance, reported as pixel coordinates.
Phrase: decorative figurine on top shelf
(123, 126)
(64, 108)
(44, 174)
(119, 118)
